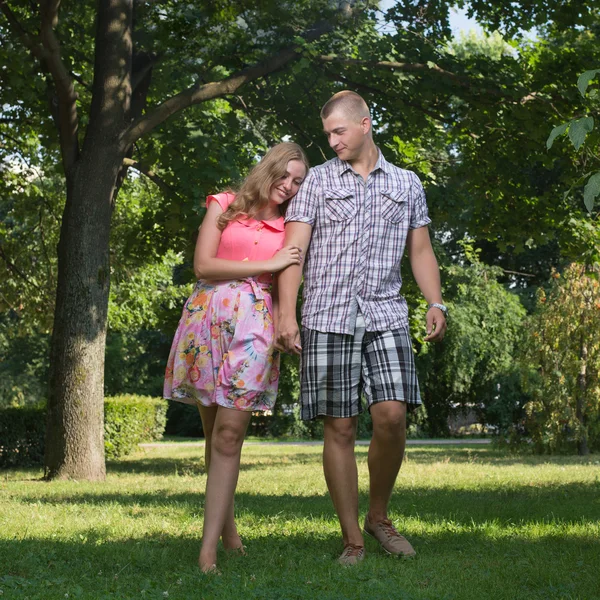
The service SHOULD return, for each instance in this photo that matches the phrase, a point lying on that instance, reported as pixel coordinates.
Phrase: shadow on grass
(194, 464)
(449, 565)
(518, 505)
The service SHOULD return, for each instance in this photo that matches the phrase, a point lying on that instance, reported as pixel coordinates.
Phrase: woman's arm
(208, 266)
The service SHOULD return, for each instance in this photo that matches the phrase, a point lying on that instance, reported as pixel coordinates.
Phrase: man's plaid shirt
(359, 233)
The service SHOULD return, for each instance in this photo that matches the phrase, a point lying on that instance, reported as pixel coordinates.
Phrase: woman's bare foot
(233, 544)
(207, 561)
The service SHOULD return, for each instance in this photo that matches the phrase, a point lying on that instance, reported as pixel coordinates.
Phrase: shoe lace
(352, 550)
(389, 528)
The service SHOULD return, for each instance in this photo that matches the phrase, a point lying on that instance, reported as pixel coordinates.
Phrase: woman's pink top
(248, 239)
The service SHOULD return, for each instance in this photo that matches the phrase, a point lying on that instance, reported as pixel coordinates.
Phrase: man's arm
(427, 275)
(287, 334)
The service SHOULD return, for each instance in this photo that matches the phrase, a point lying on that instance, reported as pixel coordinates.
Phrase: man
(358, 212)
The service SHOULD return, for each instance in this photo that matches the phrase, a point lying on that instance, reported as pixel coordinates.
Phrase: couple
(344, 225)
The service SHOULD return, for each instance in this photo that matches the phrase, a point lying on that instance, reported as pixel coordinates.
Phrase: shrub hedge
(128, 420)
(22, 432)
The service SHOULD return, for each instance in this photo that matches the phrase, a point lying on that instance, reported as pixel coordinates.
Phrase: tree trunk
(582, 446)
(75, 419)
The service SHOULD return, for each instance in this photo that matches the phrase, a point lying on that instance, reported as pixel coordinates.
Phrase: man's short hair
(350, 103)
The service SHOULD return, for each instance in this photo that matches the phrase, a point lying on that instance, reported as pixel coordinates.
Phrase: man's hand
(436, 325)
(287, 336)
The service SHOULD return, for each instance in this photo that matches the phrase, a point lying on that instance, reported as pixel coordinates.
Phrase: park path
(451, 442)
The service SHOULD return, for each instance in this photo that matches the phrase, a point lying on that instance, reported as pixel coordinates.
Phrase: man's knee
(389, 419)
(340, 431)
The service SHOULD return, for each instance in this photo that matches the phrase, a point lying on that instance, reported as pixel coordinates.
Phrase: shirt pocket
(394, 205)
(340, 204)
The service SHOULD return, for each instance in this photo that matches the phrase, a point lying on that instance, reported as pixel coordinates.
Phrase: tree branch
(46, 49)
(161, 183)
(460, 80)
(14, 269)
(111, 88)
(397, 66)
(377, 92)
(201, 93)
(67, 97)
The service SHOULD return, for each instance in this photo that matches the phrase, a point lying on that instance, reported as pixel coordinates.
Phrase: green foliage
(561, 364)
(591, 191)
(469, 115)
(477, 354)
(23, 367)
(584, 80)
(135, 362)
(22, 432)
(309, 430)
(578, 129)
(183, 420)
(130, 420)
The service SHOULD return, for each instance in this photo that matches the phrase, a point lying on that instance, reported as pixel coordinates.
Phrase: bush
(183, 420)
(22, 433)
(128, 420)
(560, 364)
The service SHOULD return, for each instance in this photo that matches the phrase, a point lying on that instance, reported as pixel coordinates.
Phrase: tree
(578, 129)
(477, 355)
(109, 101)
(561, 363)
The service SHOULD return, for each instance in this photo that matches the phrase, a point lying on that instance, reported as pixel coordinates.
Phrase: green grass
(485, 524)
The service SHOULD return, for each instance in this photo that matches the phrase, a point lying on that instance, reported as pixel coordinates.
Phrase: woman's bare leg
(229, 535)
(229, 429)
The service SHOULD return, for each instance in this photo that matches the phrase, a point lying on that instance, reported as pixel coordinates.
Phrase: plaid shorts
(337, 369)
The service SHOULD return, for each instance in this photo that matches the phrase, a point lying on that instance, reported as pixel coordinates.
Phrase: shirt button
(256, 241)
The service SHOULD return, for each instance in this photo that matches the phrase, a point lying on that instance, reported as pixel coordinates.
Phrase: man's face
(346, 136)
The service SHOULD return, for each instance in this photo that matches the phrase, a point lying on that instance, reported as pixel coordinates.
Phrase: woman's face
(287, 186)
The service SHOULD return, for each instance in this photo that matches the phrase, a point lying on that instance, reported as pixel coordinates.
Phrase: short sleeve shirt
(248, 239)
(359, 231)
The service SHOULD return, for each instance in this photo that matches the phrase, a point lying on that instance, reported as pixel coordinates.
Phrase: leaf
(558, 130)
(579, 129)
(591, 190)
(584, 80)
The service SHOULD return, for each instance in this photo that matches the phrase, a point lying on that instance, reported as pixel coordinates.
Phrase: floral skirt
(222, 353)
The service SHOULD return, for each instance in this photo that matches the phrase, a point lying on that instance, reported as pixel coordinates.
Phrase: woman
(222, 357)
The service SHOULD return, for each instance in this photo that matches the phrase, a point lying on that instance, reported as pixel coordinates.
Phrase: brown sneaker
(351, 555)
(391, 541)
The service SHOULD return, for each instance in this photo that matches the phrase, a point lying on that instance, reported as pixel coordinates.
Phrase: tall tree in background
(111, 109)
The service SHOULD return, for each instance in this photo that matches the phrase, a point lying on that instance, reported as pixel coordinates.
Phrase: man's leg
(388, 373)
(341, 475)
(386, 452)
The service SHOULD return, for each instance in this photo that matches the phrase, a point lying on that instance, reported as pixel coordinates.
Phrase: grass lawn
(485, 524)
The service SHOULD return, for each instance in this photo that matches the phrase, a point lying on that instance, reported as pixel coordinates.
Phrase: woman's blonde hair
(253, 195)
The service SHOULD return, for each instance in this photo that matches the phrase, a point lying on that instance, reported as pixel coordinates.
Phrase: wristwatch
(442, 307)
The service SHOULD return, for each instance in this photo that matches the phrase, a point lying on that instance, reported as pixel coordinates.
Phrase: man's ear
(366, 125)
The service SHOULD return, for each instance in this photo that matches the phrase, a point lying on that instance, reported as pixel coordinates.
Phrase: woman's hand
(288, 255)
